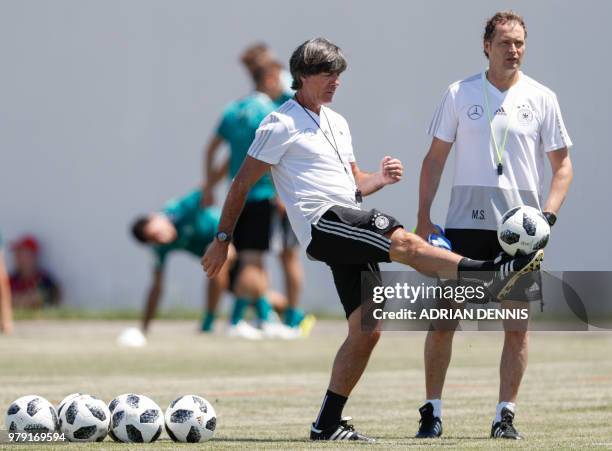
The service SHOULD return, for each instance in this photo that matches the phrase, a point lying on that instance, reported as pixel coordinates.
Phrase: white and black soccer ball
(84, 418)
(190, 419)
(31, 414)
(114, 403)
(136, 419)
(523, 230)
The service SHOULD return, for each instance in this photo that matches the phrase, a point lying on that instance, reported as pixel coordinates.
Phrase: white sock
(437, 405)
(508, 405)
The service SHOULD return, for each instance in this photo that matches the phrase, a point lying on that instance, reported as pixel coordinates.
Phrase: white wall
(105, 106)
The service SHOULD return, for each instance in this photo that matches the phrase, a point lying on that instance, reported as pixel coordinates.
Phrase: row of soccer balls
(129, 418)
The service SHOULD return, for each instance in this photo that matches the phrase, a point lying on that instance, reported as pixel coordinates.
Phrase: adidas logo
(500, 111)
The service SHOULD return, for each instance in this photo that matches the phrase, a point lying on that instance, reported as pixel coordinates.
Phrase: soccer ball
(114, 403)
(190, 419)
(84, 419)
(136, 419)
(31, 414)
(523, 230)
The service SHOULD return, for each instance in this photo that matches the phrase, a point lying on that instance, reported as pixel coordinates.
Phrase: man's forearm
(431, 172)
(559, 187)
(233, 205)
(369, 182)
(209, 160)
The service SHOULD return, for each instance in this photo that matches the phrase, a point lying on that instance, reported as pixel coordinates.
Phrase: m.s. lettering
(478, 214)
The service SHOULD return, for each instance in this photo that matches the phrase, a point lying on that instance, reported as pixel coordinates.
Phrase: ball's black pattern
(97, 412)
(71, 413)
(509, 237)
(541, 244)
(149, 416)
(201, 403)
(133, 434)
(13, 409)
(529, 225)
(509, 214)
(84, 432)
(175, 401)
(117, 418)
(181, 415)
(113, 404)
(211, 424)
(194, 435)
(133, 400)
(33, 407)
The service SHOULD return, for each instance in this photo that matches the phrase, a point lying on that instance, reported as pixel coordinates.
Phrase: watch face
(222, 236)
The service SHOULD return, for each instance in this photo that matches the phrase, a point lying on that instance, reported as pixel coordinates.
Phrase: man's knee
(436, 337)
(365, 338)
(516, 337)
(406, 246)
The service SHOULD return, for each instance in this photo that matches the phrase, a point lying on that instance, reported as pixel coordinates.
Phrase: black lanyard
(358, 195)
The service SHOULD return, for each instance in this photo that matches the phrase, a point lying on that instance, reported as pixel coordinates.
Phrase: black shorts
(484, 245)
(254, 226)
(351, 241)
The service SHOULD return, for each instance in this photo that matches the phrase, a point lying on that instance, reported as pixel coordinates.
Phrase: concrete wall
(105, 106)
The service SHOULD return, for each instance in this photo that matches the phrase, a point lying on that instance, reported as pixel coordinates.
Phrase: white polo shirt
(480, 196)
(308, 175)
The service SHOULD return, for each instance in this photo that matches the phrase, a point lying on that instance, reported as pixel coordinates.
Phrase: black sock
(467, 264)
(331, 410)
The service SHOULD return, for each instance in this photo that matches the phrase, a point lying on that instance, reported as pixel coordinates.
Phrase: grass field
(266, 393)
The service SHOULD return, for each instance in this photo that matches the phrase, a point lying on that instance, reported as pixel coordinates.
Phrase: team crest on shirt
(380, 221)
(475, 112)
(524, 115)
(309, 133)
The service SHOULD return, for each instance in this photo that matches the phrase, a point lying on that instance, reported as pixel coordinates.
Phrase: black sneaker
(505, 428)
(343, 431)
(508, 270)
(429, 426)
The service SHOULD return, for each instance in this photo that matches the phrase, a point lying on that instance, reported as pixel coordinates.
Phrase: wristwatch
(223, 237)
(550, 217)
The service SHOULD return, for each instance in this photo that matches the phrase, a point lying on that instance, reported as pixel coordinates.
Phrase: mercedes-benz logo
(475, 112)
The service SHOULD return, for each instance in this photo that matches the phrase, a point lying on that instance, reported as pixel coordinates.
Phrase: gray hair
(313, 57)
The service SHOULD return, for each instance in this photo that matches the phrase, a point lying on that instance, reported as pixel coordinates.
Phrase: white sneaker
(279, 330)
(132, 337)
(244, 330)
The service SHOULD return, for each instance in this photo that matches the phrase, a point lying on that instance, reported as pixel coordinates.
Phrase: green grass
(266, 393)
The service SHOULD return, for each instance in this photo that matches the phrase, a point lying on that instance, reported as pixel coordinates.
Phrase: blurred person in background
(6, 312)
(253, 232)
(183, 224)
(31, 285)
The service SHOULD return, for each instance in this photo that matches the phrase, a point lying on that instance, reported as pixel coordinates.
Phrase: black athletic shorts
(484, 245)
(254, 226)
(351, 241)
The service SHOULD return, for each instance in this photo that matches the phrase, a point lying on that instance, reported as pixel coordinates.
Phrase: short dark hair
(256, 55)
(138, 229)
(500, 18)
(313, 57)
(260, 71)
